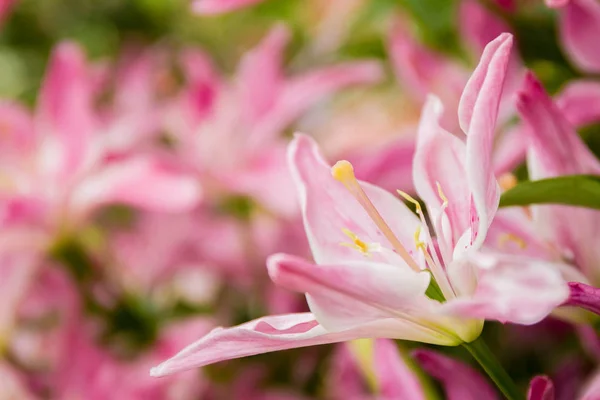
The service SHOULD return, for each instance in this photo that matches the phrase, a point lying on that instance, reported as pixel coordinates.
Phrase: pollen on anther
(357, 244)
(343, 172)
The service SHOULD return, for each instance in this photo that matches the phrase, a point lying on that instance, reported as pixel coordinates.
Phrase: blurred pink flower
(211, 7)
(579, 28)
(460, 381)
(542, 388)
(558, 233)
(561, 234)
(59, 169)
(6, 7)
(422, 72)
(373, 369)
(378, 366)
(230, 132)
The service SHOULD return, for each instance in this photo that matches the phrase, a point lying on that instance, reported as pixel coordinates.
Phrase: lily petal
(17, 270)
(555, 145)
(301, 92)
(395, 378)
(263, 335)
(580, 102)
(139, 182)
(328, 207)
(65, 110)
(479, 26)
(439, 159)
(579, 27)
(510, 150)
(260, 75)
(346, 295)
(477, 113)
(540, 388)
(510, 289)
(460, 382)
(481, 97)
(556, 149)
(584, 296)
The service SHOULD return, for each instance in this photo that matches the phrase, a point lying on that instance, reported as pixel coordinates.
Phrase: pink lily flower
(372, 270)
(579, 28)
(557, 233)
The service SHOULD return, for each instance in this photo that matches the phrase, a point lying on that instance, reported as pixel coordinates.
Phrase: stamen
(364, 248)
(343, 172)
(435, 266)
(411, 199)
(441, 194)
(419, 244)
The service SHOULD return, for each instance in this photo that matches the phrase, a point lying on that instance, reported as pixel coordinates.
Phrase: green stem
(492, 367)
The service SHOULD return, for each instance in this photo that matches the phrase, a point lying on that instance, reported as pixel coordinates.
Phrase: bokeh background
(112, 288)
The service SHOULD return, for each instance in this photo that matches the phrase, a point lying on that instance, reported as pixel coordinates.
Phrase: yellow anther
(357, 244)
(343, 172)
(507, 181)
(511, 237)
(411, 199)
(419, 244)
(441, 193)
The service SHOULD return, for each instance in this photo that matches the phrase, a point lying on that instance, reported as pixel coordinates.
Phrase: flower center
(343, 172)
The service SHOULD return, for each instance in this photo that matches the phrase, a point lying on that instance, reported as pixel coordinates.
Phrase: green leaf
(573, 190)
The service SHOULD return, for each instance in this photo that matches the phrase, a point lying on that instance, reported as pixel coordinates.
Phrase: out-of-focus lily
(376, 261)
(579, 28)
(230, 132)
(212, 7)
(377, 365)
(559, 233)
(59, 168)
(542, 388)
(6, 7)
